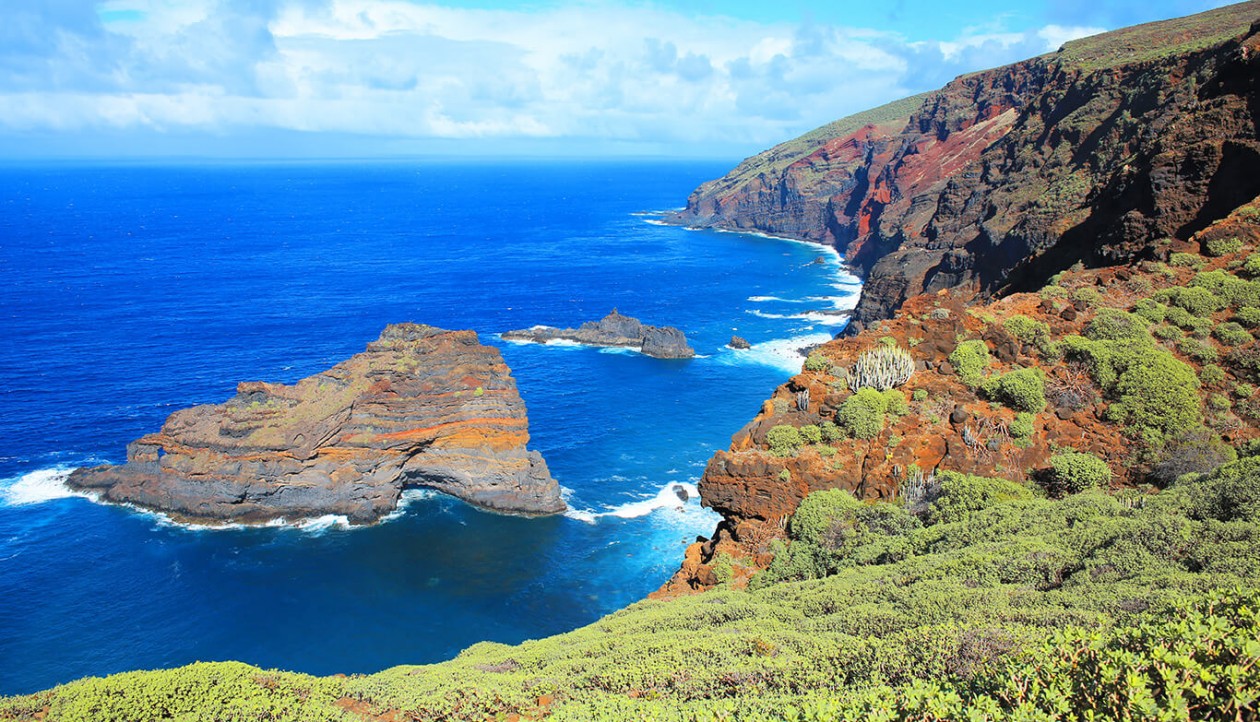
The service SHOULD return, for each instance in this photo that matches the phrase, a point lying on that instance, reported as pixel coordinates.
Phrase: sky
(580, 78)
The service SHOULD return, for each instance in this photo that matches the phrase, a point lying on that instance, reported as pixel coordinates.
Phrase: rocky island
(421, 407)
(617, 331)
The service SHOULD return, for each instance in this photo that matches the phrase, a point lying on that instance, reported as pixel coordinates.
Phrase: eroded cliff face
(421, 407)
(947, 424)
(1101, 173)
(1003, 178)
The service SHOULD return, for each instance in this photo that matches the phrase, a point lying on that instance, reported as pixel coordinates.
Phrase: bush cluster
(961, 494)
(1075, 471)
(1196, 300)
(1111, 324)
(1151, 390)
(970, 359)
(1021, 389)
(785, 440)
(1223, 246)
(817, 362)
(865, 413)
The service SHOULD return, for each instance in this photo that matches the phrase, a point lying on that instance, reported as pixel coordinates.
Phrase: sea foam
(39, 486)
(666, 499)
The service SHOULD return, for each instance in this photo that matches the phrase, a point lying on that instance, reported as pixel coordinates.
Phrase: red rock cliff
(1005, 177)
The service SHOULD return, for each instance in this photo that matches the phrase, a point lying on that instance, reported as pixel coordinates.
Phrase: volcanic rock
(1005, 177)
(614, 330)
(739, 343)
(421, 407)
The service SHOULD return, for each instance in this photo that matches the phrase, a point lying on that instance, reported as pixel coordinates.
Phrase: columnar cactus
(881, 368)
(802, 400)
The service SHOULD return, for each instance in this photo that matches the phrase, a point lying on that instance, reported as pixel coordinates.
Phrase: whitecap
(782, 353)
(40, 486)
(666, 499)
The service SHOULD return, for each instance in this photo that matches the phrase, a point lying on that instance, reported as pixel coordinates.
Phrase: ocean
(129, 291)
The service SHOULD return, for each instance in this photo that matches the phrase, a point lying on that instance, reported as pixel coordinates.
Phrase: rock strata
(614, 330)
(421, 407)
(999, 180)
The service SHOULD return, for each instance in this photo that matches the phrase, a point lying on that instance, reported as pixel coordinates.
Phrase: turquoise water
(129, 292)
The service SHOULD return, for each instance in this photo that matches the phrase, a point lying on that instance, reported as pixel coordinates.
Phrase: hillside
(1027, 487)
(1003, 178)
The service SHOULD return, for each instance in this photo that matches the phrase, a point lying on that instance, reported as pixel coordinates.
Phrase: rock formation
(421, 407)
(739, 343)
(614, 330)
(1001, 179)
(1123, 164)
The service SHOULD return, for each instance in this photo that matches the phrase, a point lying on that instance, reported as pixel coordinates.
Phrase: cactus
(917, 489)
(802, 400)
(881, 368)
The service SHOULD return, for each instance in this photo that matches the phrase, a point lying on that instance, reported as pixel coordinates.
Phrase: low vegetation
(998, 603)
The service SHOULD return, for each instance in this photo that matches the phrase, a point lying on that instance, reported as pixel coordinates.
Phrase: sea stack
(616, 331)
(421, 407)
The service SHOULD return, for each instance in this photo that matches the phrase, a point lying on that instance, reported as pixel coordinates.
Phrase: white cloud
(401, 69)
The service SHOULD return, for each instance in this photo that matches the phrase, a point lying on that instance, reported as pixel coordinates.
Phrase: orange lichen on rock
(420, 407)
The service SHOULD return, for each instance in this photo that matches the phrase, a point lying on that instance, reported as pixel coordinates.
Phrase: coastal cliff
(1003, 178)
(421, 407)
(1048, 223)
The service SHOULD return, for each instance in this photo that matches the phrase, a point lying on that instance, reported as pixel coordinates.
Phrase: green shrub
(1211, 374)
(961, 494)
(1248, 316)
(1075, 471)
(1026, 330)
(819, 512)
(1200, 351)
(1242, 391)
(785, 440)
(1252, 265)
(919, 395)
(1180, 317)
(1150, 309)
(1223, 246)
(1157, 392)
(864, 413)
(1111, 324)
(1022, 425)
(1217, 402)
(1229, 493)
(969, 360)
(1199, 301)
(785, 475)
(825, 451)
(830, 432)
(817, 362)
(1021, 389)
(895, 402)
(1233, 290)
(1185, 260)
(1231, 334)
(1167, 332)
(811, 434)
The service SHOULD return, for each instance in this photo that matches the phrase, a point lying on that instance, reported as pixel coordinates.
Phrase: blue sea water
(128, 292)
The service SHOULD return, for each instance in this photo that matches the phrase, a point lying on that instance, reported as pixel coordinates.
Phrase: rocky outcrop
(421, 407)
(945, 424)
(1001, 179)
(614, 330)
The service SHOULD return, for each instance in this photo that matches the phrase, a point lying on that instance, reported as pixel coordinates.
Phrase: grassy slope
(940, 603)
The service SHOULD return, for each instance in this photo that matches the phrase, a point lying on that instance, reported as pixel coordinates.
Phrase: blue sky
(347, 78)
